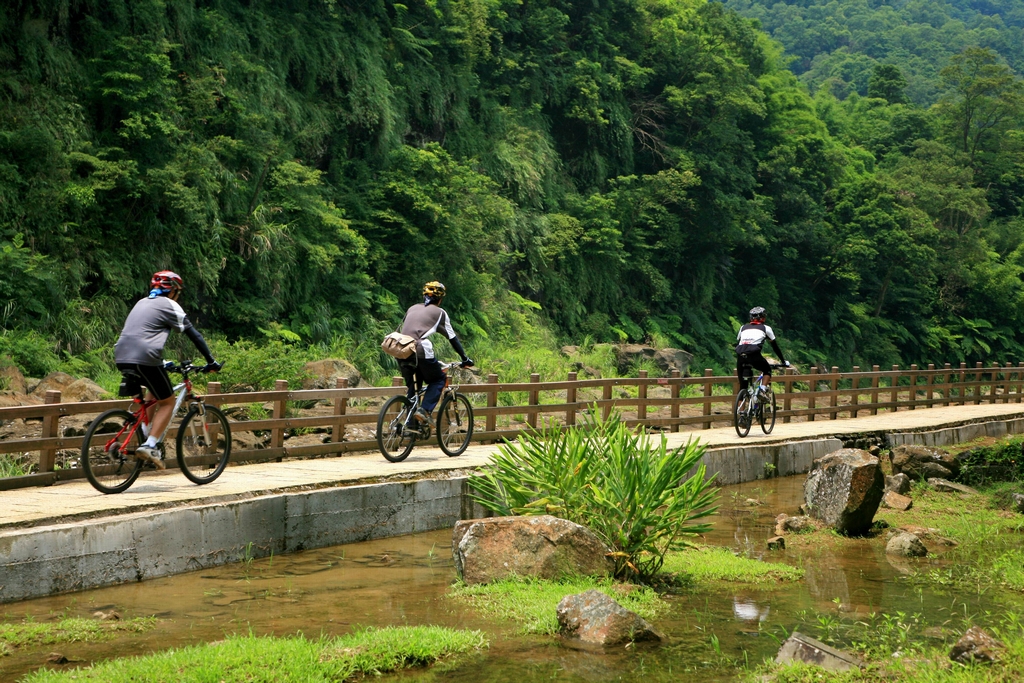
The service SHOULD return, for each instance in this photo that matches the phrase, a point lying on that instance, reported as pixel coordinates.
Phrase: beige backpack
(399, 345)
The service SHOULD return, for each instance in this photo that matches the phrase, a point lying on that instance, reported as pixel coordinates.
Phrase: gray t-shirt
(145, 331)
(421, 321)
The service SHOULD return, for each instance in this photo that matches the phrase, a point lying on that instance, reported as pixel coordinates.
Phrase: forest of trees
(611, 170)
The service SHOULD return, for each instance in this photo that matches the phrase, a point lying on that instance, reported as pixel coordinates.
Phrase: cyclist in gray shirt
(421, 321)
(139, 353)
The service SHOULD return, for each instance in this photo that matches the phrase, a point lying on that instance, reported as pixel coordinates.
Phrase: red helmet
(168, 280)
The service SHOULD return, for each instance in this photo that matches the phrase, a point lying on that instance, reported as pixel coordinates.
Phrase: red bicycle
(203, 444)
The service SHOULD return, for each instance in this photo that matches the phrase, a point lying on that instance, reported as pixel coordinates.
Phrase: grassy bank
(368, 652)
(704, 567)
(30, 633)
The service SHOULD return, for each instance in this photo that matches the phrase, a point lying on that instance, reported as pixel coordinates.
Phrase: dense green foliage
(640, 497)
(639, 169)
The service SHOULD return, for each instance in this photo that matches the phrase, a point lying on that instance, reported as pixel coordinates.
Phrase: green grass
(531, 603)
(368, 652)
(929, 666)
(10, 466)
(705, 565)
(70, 630)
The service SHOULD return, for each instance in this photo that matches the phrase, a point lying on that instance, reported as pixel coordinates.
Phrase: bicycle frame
(140, 407)
(417, 398)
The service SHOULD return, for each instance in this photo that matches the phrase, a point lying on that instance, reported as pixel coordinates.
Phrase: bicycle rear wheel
(767, 413)
(108, 452)
(203, 445)
(454, 424)
(393, 439)
(741, 417)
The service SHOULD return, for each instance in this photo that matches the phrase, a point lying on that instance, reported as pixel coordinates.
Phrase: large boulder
(894, 500)
(324, 374)
(666, 360)
(71, 389)
(922, 462)
(593, 618)
(544, 546)
(947, 486)
(844, 489)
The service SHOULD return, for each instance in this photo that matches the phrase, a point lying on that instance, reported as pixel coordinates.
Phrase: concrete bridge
(68, 537)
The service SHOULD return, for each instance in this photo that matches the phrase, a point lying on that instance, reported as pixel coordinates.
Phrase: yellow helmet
(434, 289)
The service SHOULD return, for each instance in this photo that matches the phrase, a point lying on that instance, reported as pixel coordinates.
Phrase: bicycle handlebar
(188, 367)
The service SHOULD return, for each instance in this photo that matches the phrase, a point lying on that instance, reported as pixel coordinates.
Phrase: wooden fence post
(978, 375)
(812, 387)
(340, 408)
(708, 373)
(834, 386)
(1020, 381)
(787, 387)
(992, 396)
(931, 384)
(570, 398)
(491, 423)
(607, 396)
(277, 433)
(855, 398)
(874, 389)
(894, 383)
(531, 418)
(51, 430)
(673, 391)
(962, 380)
(913, 385)
(947, 384)
(212, 388)
(641, 392)
(1008, 383)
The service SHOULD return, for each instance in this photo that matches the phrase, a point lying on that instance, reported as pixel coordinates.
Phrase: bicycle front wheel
(767, 416)
(741, 418)
(108, 452)
(394, 438)
(454, 424)
(204, 444)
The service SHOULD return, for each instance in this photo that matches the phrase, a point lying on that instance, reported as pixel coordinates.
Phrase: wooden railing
(670, 403)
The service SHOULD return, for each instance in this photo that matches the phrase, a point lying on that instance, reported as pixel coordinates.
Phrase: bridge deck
(71, 500)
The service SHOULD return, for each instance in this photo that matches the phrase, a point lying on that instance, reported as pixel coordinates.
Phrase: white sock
(150, 442)
(145, 429)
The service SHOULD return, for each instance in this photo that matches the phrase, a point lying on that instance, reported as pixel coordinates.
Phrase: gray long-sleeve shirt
(145, 331)
(423, 320)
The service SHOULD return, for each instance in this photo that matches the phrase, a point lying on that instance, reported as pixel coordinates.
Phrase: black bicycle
(756, 402)
(398, 430)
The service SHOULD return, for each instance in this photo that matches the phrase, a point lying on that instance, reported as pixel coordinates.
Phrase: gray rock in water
(905, 545)
(801, 648)
(950, 486)
(776, 543)
(921, 462)
(976, 646)
(796, 525)
(1018, 502)
(900, 483)
(544, 546)
(593, 618)
(844, 489)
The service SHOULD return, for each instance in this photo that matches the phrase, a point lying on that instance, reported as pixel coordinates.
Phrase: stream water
(403, 581)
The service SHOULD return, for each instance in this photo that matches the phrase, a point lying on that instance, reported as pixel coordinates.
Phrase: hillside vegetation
(645, 169)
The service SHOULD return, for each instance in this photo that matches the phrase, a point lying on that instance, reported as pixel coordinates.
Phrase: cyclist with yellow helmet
(421, 321)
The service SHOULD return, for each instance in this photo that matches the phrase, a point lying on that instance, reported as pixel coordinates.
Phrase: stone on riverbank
(947, 486)
(593, 618)
(976, 646)
(801, 648)
(844, 489)
(544, 546)
(893, 500)
(900, 483)
(905, 545)
(324, 374)
(776, 543)
(1018, 502)
(797, 525)
(922, 462)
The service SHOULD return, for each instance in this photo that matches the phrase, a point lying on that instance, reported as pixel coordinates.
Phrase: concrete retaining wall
(750, 463)
(955, 435)
(92, 553)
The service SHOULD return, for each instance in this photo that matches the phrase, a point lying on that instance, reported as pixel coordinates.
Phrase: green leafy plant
(641, 497)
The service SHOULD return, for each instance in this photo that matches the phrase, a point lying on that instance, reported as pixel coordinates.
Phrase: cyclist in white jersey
(751, 340)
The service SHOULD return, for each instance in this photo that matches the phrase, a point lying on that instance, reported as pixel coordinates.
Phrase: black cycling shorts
(154, 377)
